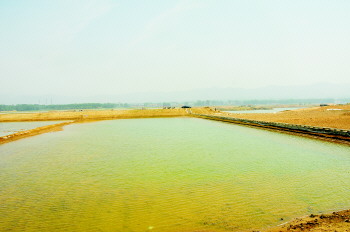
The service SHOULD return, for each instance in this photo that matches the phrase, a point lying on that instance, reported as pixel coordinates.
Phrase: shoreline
(335, 221)
(336, 116)
(321, 133)
(32, 132)
(58, 127)
(78, 117)
(91, 115)
(329, 134)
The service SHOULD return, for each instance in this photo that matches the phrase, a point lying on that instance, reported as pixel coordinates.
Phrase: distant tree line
(37, 107)
(267, 102)
(254, 102)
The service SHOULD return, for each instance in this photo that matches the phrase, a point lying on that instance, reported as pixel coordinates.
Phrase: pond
(167, 175)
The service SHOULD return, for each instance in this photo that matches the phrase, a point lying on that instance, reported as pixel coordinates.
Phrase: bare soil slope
(92, 115)
(336, 221)
(337, 116)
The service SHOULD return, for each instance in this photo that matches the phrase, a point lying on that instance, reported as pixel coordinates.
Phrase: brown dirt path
(92, 115)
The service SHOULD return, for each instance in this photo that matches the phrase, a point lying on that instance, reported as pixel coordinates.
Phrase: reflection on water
(7, 128)
(177, 174)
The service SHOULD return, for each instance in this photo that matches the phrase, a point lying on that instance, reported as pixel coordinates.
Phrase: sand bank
(78, 116)
(91, 115)
(317, 122)
(32, 132)
(337, 116)
(329, 134)
(336, 221)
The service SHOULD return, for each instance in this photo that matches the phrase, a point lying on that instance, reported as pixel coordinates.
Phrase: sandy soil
(337, 116)
(336, 221)
(32, 132)
(86, 116)
(92, 115)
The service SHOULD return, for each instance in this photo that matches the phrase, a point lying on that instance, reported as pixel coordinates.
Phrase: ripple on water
(175, 174)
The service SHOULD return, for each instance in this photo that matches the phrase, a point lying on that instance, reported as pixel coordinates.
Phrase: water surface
(7, 128)
(167, 175)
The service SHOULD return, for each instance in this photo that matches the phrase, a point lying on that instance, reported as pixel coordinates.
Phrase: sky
(95, 47)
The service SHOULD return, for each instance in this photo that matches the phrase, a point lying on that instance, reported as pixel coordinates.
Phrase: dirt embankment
(235, 108)
(337, 116)
(32, 132)
(92, 115)
(85, 116)
(336, 221)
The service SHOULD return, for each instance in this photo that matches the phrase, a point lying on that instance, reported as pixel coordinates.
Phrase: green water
(167, 175)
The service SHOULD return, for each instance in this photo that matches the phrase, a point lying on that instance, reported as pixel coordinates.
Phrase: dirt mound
(337, 116)
(336, 221)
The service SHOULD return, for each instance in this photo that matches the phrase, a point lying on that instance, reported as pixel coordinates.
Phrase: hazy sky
(114, 47)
